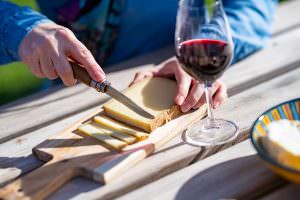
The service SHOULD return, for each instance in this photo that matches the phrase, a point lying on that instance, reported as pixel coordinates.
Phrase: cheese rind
(155, 95)
(117, 126)
(92, 131)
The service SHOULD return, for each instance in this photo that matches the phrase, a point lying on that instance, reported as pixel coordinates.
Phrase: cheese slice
(98, 134)
(283, 142)
(155, 95)
(117, 126)
(113, 133)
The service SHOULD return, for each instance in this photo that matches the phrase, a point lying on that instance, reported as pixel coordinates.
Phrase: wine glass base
(222, 131)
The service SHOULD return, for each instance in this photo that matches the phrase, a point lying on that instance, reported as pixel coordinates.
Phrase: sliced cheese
(117, 126)
(283, 142)
(156, 95)
(116, 134)
(94, 132)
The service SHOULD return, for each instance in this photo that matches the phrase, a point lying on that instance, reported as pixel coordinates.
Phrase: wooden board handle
(80, 73)
(41, 182)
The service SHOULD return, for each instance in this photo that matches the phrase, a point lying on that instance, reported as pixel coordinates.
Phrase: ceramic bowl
(288, 110)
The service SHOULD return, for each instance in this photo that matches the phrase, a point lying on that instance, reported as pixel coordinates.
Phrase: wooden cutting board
(69, 154)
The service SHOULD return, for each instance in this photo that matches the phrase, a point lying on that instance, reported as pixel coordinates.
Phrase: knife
(82, 75)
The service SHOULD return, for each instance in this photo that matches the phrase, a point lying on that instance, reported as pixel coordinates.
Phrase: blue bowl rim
(260, 151)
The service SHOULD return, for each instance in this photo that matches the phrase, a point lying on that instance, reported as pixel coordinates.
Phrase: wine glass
(204, 49)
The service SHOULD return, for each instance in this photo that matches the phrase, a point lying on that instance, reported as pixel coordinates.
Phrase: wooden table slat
(287, 17)
(49, 107)
(289, 191)
(235, 173)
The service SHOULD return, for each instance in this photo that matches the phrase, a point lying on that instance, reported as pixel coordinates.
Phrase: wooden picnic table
(178, 170)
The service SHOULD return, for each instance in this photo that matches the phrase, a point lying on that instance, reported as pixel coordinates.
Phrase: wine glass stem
(210, 119)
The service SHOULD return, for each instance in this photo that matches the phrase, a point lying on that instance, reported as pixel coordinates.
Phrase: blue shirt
(145, 26)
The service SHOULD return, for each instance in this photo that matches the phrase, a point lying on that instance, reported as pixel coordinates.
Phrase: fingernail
(180, 100)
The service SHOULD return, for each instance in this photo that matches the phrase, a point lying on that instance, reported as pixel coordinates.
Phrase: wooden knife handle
(80, 73)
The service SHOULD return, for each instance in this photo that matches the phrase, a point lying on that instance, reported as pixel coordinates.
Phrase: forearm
(251, 24)
(15, 23)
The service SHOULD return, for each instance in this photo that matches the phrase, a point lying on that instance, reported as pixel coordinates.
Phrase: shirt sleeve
(15, 23)
(251, 24)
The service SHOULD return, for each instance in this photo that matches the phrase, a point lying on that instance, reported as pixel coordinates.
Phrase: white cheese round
(286, 134)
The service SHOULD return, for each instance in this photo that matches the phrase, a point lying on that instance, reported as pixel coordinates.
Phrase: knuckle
(85, 54)
(62, 32)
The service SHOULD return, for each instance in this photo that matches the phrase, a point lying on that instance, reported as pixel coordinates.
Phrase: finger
(183, 86)
(82, 55)
(33, 63)
(48, 68)
(220, 95)
(35, 67)
(140, 76)
(193, 97)
(64, 70)
(202, 100)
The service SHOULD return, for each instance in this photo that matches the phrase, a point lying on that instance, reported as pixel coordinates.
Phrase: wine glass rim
(207, 5)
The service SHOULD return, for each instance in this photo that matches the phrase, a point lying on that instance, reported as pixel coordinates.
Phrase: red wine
(204, 59)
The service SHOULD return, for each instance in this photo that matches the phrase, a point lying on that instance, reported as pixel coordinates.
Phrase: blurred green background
(16, 81)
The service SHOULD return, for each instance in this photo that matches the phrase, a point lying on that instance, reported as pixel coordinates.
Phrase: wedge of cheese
(283, 142)
(156, 95)
(117, 126)
(102, 136)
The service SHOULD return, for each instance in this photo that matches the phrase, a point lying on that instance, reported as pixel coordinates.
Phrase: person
(107, 31)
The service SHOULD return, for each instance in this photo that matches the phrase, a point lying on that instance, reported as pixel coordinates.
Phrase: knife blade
(82, 75)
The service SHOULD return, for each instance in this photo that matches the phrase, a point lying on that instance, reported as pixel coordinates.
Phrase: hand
(190, 92)
(46, 50)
